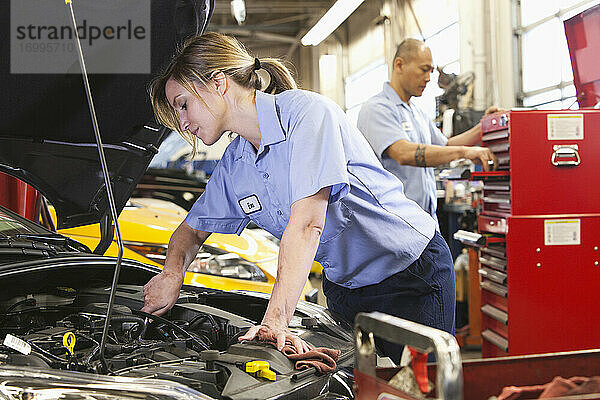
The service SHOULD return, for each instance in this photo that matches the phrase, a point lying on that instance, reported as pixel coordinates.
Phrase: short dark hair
(408, 48)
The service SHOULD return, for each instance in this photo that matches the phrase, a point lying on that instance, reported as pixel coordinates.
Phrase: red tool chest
(540, 275)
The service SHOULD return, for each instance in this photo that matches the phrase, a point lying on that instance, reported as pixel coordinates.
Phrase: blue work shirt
(384, 119)
(371, 229)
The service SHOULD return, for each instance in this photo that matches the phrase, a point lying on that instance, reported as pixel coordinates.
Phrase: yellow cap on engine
(260, 369)
(69, 341)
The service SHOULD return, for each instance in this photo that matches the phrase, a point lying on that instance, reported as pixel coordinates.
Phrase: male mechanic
(405, 139)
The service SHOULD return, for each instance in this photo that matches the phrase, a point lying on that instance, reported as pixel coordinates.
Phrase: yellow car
(226, 262)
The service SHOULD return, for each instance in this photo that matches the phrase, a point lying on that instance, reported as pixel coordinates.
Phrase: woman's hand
(278, 336)
(161, 292)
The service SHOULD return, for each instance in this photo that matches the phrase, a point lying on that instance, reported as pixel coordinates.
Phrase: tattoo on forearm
(420, 156)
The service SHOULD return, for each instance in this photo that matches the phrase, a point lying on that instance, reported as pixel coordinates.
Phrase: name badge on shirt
(407, 126)
(250, 204)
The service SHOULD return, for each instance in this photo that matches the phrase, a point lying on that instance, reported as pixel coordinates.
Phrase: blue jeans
(424, 292)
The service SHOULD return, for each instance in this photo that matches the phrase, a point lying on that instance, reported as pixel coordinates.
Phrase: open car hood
(46, 134)
(69, 175)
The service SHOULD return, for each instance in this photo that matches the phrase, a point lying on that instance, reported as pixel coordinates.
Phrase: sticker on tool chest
(562, 232)
(565, 126)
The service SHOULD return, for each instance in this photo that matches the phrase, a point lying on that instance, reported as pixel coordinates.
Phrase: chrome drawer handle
(565, 155)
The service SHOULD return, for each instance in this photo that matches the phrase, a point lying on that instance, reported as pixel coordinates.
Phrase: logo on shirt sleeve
(407, 126)
(250, 204)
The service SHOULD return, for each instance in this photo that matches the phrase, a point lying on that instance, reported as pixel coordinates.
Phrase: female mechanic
(300, 170)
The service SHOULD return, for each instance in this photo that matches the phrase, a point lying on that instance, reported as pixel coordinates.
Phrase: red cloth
(322, 358)
(591, 385)
(557, 388)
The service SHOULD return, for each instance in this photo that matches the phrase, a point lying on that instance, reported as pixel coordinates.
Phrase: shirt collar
(392, 95)
(269, 124)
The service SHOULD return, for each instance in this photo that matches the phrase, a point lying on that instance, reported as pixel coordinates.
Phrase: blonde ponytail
(202, 56)
(281, 78)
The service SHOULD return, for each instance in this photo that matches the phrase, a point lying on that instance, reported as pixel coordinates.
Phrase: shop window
(446, 13)
(328, 75)
(364, 84)
(542, 63)
(535, 10)
(547, 76)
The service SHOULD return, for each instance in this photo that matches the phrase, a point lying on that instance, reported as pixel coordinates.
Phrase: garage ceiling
(271, 27)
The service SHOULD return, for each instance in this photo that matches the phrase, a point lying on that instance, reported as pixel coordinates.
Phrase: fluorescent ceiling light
(330, 21)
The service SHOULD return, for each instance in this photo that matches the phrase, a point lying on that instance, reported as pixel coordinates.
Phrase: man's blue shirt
(384, 119)
(371, 229)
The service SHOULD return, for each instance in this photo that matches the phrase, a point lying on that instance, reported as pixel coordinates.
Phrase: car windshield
(9, 226)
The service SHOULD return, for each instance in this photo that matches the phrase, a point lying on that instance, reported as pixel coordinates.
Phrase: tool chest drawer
(495, 313)
(492, 224)
(499, 144)
(497, 250)
(492, 262)
(495, 320)
(493, 275)
(496, 204)
(497, 197)
(492, 324)
(493, 344)
(497, 300)
(494, 122)
(493, 257)
(554, 162)
(495, 288)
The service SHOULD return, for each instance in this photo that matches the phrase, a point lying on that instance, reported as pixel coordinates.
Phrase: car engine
(195, 343)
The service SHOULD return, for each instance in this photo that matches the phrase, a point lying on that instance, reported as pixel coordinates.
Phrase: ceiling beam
(258, 35)
(285, 20)
(275, 7)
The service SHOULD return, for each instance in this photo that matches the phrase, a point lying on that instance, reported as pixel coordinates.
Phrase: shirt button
(279, 212)
(348, 283)
(266, 176)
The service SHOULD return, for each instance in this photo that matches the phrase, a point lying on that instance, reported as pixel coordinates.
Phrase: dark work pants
(424, 292)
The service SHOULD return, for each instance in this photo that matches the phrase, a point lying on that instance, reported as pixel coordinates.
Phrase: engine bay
(195, 343)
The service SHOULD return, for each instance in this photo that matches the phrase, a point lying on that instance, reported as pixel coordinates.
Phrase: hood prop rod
(109, 192)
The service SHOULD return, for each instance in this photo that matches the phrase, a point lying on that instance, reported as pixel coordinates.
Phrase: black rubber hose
(127, 318)
(234, 339)
(28, 310)
(202, 317)
(92, 355)
(47, 353)
(143, 324)
(174, 326)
